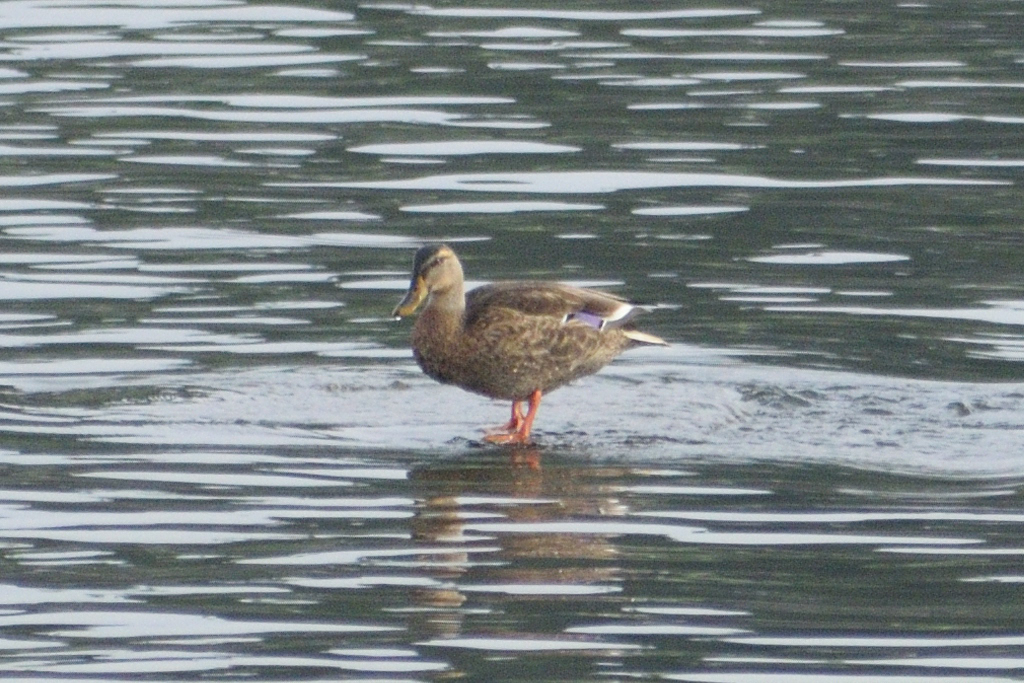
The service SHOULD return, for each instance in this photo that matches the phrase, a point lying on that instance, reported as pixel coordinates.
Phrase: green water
(220, 460)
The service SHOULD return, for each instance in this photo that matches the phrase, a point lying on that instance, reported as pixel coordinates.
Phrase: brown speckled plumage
(512, 340)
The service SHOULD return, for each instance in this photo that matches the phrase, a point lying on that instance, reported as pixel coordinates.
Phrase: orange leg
(512, 425)
(521, 432)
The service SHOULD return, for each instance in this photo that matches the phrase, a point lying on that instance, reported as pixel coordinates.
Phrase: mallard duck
(512, 340)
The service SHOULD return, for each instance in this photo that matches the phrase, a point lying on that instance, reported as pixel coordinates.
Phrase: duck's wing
(564, 303)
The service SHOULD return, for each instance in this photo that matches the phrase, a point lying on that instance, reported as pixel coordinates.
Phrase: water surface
(220, 460)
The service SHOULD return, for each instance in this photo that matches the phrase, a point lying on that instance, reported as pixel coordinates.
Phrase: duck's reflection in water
(485, 576)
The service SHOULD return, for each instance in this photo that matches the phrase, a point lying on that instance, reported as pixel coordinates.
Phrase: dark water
(220, 462)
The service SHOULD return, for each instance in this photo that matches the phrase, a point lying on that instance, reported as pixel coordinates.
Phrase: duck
(514, 340)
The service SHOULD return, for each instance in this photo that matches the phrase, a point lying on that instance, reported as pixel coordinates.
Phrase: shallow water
(221, 461)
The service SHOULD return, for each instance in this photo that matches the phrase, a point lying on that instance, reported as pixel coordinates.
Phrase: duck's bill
(412, 300)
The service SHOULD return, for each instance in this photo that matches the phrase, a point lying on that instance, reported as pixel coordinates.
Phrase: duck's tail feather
(644, 338)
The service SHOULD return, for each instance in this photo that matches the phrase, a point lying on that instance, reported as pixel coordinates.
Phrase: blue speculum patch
(595, 321)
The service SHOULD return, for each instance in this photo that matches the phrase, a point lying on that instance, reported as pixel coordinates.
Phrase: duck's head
(435, 269)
